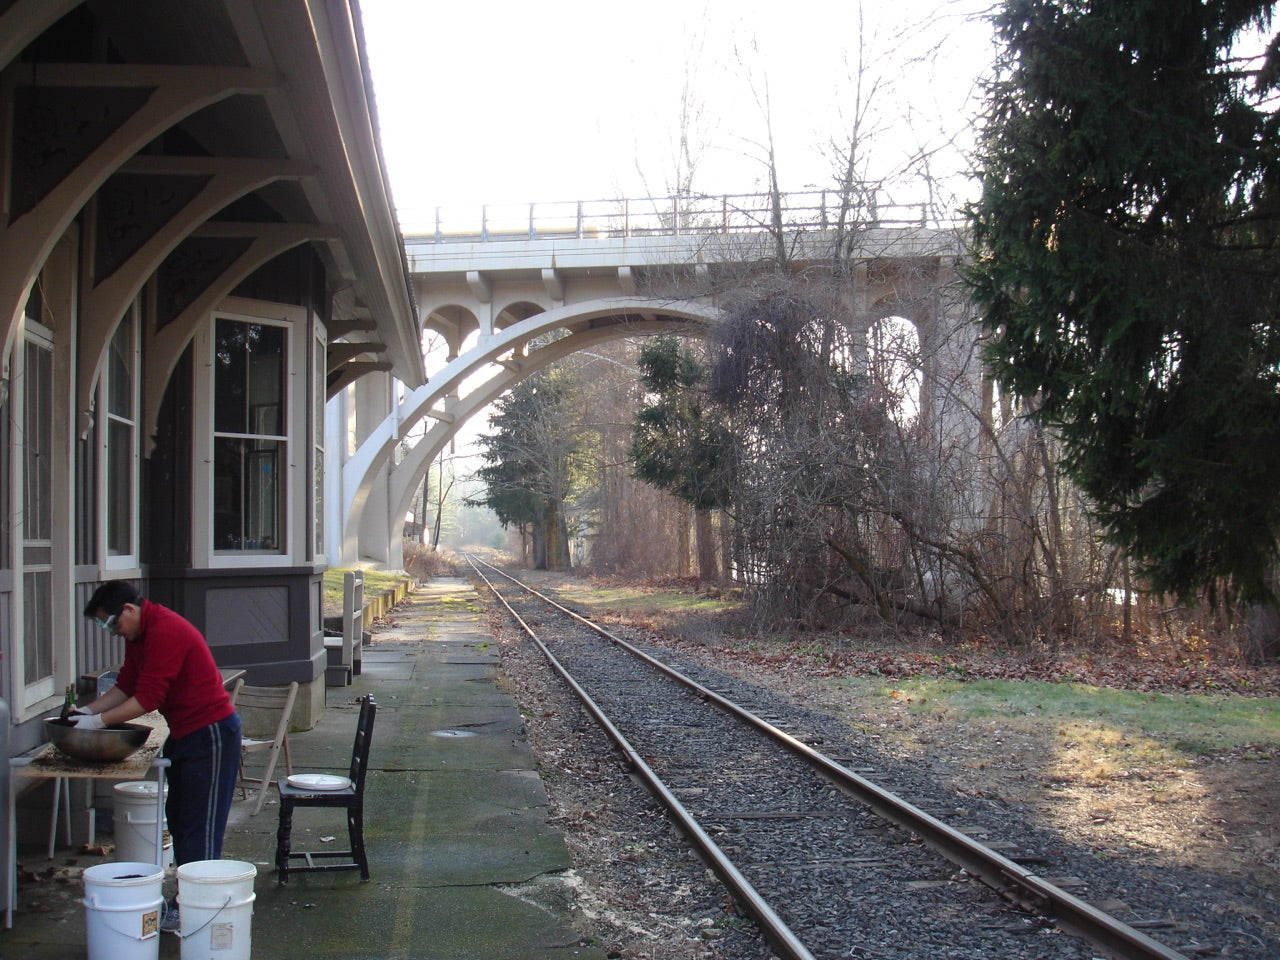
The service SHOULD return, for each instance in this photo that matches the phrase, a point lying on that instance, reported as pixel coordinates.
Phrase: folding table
(48, 762)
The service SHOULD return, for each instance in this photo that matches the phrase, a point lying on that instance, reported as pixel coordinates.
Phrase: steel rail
(1010, 880)
(779, 935)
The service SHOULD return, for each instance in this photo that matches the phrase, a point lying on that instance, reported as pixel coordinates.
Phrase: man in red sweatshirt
(168, 667)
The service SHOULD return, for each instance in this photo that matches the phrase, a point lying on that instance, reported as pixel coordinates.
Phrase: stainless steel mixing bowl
(107, 744)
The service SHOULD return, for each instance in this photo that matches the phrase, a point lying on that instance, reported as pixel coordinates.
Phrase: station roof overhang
(225, 121)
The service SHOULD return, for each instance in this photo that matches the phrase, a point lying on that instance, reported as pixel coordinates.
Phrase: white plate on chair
(317, 781)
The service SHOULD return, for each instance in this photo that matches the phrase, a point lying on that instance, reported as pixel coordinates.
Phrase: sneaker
(171, 922)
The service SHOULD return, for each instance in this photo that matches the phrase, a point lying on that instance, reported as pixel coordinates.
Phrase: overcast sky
(497, 101)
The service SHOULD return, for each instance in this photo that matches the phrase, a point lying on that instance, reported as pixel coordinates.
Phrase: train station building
(198, 250)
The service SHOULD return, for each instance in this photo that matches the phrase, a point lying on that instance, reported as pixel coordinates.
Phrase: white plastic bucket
(216, 901)
(123, 904)
(133, 812)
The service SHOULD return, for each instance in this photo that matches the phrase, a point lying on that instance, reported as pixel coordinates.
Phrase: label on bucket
(221, 936)
(150, 923)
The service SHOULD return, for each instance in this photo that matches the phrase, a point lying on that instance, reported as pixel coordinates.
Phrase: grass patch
(642, 601)
(375, 582)
(1128, 728)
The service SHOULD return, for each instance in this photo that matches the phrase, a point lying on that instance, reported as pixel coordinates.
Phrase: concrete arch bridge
(522, 287)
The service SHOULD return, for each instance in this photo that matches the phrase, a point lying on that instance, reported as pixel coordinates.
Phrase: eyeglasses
(108, 624)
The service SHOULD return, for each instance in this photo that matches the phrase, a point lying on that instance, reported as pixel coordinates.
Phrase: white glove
(88, 721)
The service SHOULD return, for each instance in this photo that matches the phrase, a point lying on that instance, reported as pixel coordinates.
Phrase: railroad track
(817, 854)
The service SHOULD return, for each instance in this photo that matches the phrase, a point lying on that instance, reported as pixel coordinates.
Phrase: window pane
(264, 494)
(230, 365)
(266, 382)
(37, 636)
(319, 503)
(37, 441)
(247, 494)
(318, 388)
(37, 554)
(119, 488)
(317, 432)
(228, 493)
(249, 378)
(120, 371)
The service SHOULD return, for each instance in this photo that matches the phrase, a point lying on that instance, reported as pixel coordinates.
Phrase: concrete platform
(464, 864)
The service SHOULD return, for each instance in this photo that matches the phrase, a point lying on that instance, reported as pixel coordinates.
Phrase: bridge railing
(684, 215)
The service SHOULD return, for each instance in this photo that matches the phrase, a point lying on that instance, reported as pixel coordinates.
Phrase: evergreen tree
(678, 441)
(532, 463)
(1127, 269)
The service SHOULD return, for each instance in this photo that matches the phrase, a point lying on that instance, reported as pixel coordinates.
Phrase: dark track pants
(202, 776)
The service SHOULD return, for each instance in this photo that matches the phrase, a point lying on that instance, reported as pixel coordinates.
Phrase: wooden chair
(274, 702)
(350, 796)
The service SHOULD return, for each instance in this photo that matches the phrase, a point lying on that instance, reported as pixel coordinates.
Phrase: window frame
(319, 403)
(31, 695)
(294, 538)
(118, 564)
(50, 316)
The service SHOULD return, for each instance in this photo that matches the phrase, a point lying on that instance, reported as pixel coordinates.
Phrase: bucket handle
(226, 903)
(109, 912)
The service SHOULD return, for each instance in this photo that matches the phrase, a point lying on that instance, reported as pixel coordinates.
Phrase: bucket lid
(137, 789)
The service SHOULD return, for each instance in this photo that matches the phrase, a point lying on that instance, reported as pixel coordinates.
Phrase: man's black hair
(111, 597)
